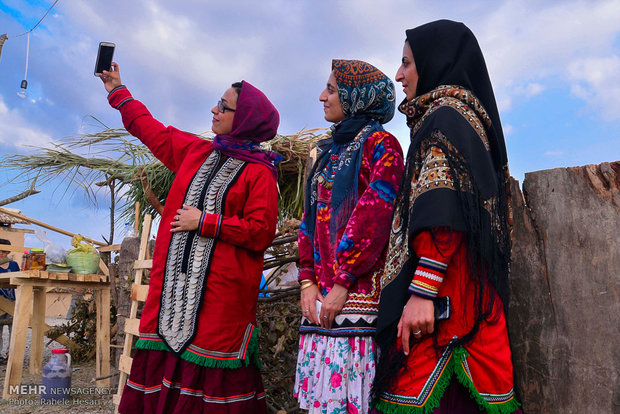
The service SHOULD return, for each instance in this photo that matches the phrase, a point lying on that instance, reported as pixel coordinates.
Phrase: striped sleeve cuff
(119, 96)
(210, 225)
(428, 278)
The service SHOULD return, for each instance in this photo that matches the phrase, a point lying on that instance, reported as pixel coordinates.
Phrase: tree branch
(19, 196)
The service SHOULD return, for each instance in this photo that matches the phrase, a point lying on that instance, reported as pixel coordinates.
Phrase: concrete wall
(565, 290)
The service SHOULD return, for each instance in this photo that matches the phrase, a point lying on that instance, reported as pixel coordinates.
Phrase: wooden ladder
(132, 323)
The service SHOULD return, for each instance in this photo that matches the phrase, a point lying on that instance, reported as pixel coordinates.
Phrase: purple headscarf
(256, 120)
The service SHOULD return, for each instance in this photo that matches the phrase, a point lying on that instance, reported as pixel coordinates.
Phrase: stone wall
(565, 301)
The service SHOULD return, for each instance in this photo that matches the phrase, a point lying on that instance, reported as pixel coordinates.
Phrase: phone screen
(104, 59)
(442, 308)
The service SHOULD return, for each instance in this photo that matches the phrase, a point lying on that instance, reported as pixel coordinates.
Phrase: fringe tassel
(455, 367)
(251, 355)
(508, 407)
(152, 345)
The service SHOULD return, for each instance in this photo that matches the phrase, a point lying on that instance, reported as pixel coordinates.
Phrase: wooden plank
(116, 398)
(38, 329)
(143, 264)
(139, 292)
(26, 274)
(16, 249)
(109, 248)
(102, 299)
(47, 283)
(17, 347)
(133, 312)
(124, 364)
(132, 326)
(7, 306)
(92, 278)
(104, 268)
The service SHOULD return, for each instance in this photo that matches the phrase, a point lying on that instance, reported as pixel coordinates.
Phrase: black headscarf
(447, 53)
(449, 62)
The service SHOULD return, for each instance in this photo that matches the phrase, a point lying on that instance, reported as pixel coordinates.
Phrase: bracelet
(306, 284)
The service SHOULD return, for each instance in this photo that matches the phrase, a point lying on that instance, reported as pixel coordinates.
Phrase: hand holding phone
(442, 308)
(104, 58)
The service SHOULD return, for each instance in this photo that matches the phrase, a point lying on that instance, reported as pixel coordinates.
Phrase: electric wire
(39, 22)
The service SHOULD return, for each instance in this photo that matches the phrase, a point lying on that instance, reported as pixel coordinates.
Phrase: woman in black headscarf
(450, 237)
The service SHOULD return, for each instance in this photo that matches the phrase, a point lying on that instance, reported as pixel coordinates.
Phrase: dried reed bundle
(115, 159)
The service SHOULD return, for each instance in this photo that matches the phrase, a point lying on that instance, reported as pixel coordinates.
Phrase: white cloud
(528, 44)
(16, 131)
(555, 154)
(530, 90)
(597, 81)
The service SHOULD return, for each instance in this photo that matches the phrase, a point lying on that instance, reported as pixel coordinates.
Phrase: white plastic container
(57, 377)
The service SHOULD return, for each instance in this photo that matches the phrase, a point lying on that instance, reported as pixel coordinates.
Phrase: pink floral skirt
(334, 375)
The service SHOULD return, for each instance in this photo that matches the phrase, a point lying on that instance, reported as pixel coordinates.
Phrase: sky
(554, 65)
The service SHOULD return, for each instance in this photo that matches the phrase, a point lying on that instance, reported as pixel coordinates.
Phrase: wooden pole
(47, 226)
(136, 218)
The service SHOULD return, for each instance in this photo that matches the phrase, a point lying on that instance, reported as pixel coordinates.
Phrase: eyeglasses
(223, 108)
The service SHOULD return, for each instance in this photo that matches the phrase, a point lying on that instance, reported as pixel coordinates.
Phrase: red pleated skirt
(162, 383)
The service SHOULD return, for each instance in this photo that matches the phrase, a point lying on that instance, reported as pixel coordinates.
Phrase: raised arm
(168, 144)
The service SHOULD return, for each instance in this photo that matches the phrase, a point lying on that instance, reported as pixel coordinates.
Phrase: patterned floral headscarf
(367, 98)
(364, 90)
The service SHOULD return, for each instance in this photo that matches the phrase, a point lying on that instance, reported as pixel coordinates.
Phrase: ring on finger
(418, 333)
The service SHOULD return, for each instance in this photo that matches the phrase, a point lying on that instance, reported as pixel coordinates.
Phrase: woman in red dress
(450, 237)
(197, 350)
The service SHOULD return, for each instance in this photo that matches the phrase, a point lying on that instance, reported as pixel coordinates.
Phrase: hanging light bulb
(23, 93)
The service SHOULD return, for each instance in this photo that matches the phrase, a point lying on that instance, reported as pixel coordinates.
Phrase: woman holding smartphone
(342, 240)
(198, 350)
(450, 237)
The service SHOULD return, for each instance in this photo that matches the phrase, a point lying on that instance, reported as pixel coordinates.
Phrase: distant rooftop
(6, 219)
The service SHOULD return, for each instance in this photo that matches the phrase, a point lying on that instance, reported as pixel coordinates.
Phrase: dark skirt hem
(162, 383)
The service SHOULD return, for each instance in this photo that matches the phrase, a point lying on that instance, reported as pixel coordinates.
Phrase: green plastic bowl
(82, 262)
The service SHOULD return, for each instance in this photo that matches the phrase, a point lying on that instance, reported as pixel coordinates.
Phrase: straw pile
(114, 159)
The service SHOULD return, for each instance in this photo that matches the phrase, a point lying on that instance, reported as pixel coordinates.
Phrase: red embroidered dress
(214, 327)
(335, 366)
(440, 255)
(355, 257)
(482, 366)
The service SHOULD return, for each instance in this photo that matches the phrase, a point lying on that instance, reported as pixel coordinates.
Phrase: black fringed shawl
(455, 112)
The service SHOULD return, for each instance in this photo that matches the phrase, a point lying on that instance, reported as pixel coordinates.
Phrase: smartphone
(442, 308)
(104, 57)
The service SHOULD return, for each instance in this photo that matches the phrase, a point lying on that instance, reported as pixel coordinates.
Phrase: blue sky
(555, 67)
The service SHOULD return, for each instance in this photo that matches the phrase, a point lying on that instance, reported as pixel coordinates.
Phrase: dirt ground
(86, 397)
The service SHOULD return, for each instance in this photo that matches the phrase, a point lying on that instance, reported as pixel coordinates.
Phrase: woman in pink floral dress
(343, 238)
